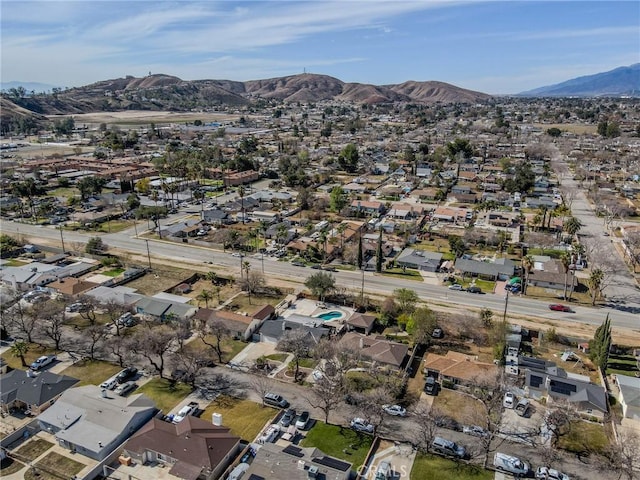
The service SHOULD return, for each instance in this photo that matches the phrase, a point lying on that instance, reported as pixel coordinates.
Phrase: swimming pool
(332, 315)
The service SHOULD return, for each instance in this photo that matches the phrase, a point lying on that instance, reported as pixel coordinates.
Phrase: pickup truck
(185, 411)
(42, 362)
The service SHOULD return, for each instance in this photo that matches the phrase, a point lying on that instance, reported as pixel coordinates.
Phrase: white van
(109, 383)
(511, 464)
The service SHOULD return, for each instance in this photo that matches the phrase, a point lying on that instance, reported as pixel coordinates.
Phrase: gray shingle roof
(38, 390)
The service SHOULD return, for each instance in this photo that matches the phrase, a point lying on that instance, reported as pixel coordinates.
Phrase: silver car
(125, 388)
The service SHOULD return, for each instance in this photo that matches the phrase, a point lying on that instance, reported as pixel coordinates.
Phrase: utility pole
(62, 239)
(148, 254)
(506, 304)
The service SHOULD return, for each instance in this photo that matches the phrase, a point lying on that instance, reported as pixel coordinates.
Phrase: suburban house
(367, 207)
(161, 309)
(546, 380)
(273, 330)
(20, 390)
(361, 323)
(241, 326)
(458, 368)
(378, 350)
(215, 217)
(71, 286)
(419, 259)
(296, 463)
(500, 269)
(550, 274)
(193, 449)
(93, 421)
(119, 295)
(629, 396)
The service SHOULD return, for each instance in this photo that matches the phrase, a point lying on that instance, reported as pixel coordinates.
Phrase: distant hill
(165, 92)
(28, 86)
(622, 81)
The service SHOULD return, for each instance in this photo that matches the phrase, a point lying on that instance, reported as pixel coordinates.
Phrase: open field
(569, 127)
(141, 117)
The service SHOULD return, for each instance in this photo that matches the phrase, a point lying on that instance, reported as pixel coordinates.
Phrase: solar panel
(535, 381)
(295, 451)
(333, 463)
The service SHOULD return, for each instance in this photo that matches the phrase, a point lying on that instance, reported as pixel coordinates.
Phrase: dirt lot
(141, 117)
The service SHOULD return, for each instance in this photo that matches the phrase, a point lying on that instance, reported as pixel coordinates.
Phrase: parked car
(109, 383)
(437, 333)
(126, 319)
(456, 286)
(448, 447)
(548, 473)
(42, 362)
(511, 464)
(361, 425)
(474, 289)
(303, 419)
(184, 412)
(288, 417)
(238, 472)
(475, 430)
(298, 264)
(395, 410)
(275, 400)
(509, 400)
(557, 307)
(126, 374)
(75, 307)
(384, 471)
(430, 386)
(125, 388)
(522, 407)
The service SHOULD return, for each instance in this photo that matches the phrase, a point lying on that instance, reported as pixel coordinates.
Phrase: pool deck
(311, 308)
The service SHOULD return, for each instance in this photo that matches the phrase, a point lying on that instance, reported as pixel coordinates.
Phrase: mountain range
(621, 81)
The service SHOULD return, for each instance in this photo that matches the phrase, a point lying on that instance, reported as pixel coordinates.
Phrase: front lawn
(584, 437)
(339, 442)
(33, 449)
(66, 468)
(34, 352)
(622, 365)
(463, 408)
(165, 394)
(230, 348)
(244, 417)
(432, 467)
(9, 466)
(91, 372)
(241, 302)
(406, 274)
(113, 272)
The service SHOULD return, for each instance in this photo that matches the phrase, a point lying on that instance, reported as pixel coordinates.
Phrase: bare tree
(22, 320)
(212, 333)
(426, 422)
(261, 384)
(371, 404)
(52, 318)
(122, 349)
(114, 311)
(252, 282)
(326, 395)
(154, 344)
(297, 342)
(89, 307)
(214, 384)
(92, 341)
(623, 458)
(558, 422)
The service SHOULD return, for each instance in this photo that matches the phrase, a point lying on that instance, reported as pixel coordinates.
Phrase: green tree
(600, 345)
(572, 225)
(565, 259)
(595, 284)
(320, 284)
(19, 349)
(205, 296)
(460, 146)
(457, 245)
(527, 266)
(486, 317)
(406, 299)
(95, 246)
(421, 324)
(348, 158)
(359, 258)
(337, 199)
(379, 255)
(554, 132)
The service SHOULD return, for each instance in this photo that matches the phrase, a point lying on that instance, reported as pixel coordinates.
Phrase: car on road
(548, 473)
(42, 362)
(456, 286)
(509, 400)
(511, 464)
(288, 417)
(298, 264)
(303, 419)
(126, 374)
(125, 388)
(475, 430)
(361, 425)
(236, 254)
(448, 447)
(558, 307)
(275, 400)
(474, 289)
(316, 266)
(395, 410)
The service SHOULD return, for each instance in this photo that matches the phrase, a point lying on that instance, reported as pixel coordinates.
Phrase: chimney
(216, 419)
(301, 464)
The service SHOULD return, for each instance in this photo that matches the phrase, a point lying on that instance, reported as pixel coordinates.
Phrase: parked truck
(511, 464)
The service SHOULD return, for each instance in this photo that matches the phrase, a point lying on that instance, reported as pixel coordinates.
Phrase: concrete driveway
(400, 456)
(249, 354)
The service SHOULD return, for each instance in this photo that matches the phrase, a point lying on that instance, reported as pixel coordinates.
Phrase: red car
(559, 308)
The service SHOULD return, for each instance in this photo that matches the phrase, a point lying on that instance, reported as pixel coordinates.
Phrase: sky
(493, 47)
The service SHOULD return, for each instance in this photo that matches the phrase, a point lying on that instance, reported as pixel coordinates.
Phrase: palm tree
(19, 350)
(246, 266)
(595, 284)
(241, 193)
(565, 259)
(205, 296)
(527, 266)
(572, 226)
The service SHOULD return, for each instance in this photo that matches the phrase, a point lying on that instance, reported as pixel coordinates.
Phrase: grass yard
(113, 272)
(622, 365)
(244, 417)
(34, 352)
(432, 467)
(584, 437)
(9, 466)
(230, 348)
(407, 274)
(34, 448)
(278, 357)
(462, 408)
(64, 466)
(307, 363)
(486, 285)
(340, 442)
(161, 278)
(241, 302)
(91, 372)
(164, 394)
